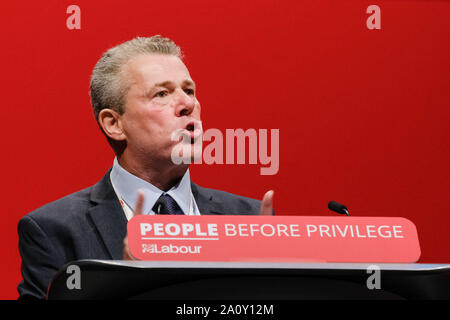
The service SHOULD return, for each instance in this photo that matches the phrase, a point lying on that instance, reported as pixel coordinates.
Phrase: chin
(187, 153)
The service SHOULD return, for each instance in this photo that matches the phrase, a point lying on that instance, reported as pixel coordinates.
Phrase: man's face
(159, 102)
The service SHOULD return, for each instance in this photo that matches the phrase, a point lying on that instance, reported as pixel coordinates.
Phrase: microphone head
(337, 207)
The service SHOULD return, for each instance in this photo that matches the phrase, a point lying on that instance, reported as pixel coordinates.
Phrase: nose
(185, 104)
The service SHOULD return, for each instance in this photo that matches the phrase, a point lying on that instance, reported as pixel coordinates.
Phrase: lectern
(260, 257)
(110, 279)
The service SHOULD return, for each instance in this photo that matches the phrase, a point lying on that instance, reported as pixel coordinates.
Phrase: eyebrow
(166, 83)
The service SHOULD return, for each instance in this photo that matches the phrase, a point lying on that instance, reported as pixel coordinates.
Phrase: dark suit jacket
(90, 224)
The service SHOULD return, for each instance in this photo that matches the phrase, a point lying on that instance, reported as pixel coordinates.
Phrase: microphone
(338, 207)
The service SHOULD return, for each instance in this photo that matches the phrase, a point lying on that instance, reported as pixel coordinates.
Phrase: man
(142, 94)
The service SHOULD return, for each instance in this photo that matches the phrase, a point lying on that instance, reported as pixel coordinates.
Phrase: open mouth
(194, 130)
(190, 127)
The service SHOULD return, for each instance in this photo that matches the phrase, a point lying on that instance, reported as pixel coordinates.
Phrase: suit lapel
(108, 217)
(205, 201)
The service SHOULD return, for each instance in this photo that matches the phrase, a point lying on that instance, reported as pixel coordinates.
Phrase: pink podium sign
(273, 239)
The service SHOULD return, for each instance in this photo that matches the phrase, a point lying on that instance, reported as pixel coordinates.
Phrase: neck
(163, 175)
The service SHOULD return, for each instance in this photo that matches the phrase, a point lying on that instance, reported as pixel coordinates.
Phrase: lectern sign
(273, 238)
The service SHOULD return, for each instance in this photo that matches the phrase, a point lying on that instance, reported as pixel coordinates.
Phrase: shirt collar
(127, 186)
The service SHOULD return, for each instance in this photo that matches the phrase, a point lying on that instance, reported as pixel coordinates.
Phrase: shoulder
(62, 212)
(70, 211)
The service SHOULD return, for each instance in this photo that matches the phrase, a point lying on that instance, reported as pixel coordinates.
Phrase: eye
(161, 94)
(190, 92)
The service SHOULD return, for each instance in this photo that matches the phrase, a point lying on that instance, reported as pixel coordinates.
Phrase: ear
(111, 124)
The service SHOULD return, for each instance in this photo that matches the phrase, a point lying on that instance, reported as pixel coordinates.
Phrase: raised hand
(267, 204)
(139, 206)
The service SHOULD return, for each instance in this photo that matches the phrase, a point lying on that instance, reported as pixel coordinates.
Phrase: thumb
(267, 204)
(126, 250)
(139, 203)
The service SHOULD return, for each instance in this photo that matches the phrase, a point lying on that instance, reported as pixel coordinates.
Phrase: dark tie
(166, 205)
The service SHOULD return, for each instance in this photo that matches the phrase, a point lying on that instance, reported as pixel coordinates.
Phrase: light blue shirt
(127, 185)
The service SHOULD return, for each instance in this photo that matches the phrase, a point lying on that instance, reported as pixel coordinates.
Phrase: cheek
(140, 121)
(152, 117)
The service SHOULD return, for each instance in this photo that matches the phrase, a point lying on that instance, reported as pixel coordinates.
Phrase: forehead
(149, 69)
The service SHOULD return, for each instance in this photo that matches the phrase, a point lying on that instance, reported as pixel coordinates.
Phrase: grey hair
(107, 89)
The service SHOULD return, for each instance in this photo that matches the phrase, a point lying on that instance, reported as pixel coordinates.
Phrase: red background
(363, 114)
